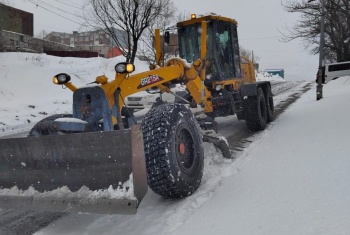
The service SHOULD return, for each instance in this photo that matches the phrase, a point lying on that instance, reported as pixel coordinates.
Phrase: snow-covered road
(24, 107)
(158, 215)
(291, 179)
(238, 137)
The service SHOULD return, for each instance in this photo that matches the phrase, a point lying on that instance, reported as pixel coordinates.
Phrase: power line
(77, 7)
(49, 5)
(38, 5)
(68, 4)
(259, 38)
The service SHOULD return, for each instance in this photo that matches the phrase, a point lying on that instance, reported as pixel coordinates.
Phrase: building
(16, 20)
(95, 41)
(12, 41)
(16, 34)
(173, 44)
(16, 28)
(63, 38)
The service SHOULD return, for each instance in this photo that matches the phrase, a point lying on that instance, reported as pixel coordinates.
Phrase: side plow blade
(96, 172)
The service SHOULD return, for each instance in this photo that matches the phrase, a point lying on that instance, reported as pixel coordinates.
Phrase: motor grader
(100, 159)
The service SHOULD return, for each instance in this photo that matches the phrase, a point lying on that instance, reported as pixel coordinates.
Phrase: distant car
(145, 99)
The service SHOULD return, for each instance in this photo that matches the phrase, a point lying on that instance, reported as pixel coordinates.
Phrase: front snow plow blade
(95, 172)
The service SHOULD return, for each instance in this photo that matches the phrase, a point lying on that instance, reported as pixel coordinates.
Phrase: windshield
(189, 43)
(225, 50)
(222, 48)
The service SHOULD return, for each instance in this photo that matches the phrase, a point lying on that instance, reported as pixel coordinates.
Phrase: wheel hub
(185, 148)
(182, 148)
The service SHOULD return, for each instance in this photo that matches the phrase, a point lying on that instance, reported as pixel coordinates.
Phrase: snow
(124, 190)
(291, 179)
(294, 179)
(28, 94)
(263, 76)
(71, 120)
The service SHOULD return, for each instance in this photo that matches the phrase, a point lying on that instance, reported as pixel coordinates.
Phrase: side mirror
(167, 37)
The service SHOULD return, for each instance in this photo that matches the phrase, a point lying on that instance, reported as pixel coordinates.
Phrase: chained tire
(173, 150)
(255, 111)
(270, 105)
(42, 127)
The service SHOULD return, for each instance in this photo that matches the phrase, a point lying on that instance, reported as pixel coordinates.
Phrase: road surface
(28, 222)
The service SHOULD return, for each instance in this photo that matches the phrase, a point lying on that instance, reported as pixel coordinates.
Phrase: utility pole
(319, 92)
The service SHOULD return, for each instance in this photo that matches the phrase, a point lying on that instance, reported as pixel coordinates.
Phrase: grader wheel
(173, 150)
(255, 111)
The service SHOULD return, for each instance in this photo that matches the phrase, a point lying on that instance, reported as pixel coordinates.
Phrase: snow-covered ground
(292, 178)
(27, 93)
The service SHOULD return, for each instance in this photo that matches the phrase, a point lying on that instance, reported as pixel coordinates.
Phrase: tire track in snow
(14, 222)
(239, 140)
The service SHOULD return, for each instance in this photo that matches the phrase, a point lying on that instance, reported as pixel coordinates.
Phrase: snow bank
(27, 93)
(264, 76)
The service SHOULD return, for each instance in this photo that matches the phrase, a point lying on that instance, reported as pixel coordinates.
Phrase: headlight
(61, 78)
(218, 87)
(124, 68)
(148, 96)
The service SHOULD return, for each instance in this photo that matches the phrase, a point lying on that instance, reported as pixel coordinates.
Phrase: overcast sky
(260, 23)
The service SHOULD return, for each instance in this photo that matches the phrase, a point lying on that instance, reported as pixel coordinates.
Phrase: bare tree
(131, 16)
(249, 54)
(164, 23)
(337, 27)
(42, 34)
(182, 16)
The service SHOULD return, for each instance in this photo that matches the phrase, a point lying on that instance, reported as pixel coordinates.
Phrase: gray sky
(259, 25)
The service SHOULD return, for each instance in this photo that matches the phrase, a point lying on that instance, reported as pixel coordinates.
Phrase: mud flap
(96, 172)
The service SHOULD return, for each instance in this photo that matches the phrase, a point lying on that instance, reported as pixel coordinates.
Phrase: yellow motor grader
(99, 159)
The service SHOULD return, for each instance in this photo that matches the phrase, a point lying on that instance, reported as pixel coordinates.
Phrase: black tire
(240, 115)
(173, 150)
(39, 128)
(270, 105)
(255, 111)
